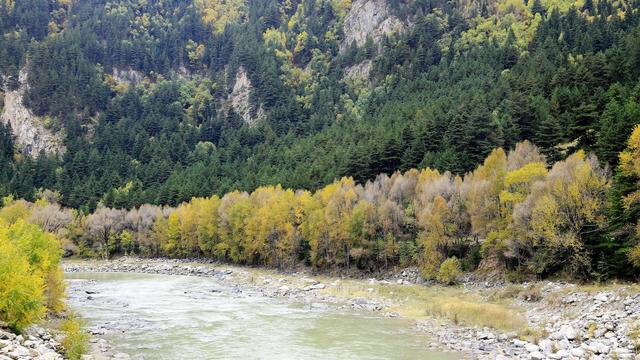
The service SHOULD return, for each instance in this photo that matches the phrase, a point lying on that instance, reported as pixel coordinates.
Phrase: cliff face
(369, 18)
(240, 98)
(30, 133)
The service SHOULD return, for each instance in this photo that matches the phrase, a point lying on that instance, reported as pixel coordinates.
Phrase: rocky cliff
(240, 98)
(369, 18)
(31, 135)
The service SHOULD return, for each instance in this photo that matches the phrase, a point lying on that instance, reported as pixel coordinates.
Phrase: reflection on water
(176, 317)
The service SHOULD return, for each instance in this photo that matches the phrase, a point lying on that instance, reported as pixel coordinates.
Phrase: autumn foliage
(511, 214)
(30, 278)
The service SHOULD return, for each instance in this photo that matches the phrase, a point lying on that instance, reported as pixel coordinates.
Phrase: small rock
(484, 335)
(518, 343)
(577, 352)
(602, 297)
(565, 332)
(536, 355)
(49, 356)
(531, 347)
(598, 347)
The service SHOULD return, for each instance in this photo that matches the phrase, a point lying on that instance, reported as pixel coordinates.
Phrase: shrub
(21, 290)
(75, 339)
(634, 256)
(449, 271)
(31, 281)
(42, 251)
(532, 294)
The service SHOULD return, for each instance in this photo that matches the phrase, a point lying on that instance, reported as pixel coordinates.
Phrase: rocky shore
(563, 321)
(35, 343)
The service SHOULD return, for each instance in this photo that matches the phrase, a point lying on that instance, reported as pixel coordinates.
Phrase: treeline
(511, 215)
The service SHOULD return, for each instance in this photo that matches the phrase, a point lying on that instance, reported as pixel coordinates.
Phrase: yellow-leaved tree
(271, 234)
(326, 226)
(435, 237)
(562, 211)
(630, 165)
(30, 277)
(219, 13)
(21, 292)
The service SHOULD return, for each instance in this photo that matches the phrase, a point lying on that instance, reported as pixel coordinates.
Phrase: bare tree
(102, 222)
(524, 153)
(51, 217)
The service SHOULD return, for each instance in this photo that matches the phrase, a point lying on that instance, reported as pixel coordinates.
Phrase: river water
(177, 317)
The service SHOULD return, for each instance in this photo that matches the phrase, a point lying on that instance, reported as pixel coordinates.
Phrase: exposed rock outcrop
(30, 132)
(359, 71)
(369, 18)
(127, 76)
(240, 98)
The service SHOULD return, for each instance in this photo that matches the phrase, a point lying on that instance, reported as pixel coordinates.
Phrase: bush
(21, 290)
(31, 281)
(634, 256)
(75, 339)
(42, 251)
(449, 271)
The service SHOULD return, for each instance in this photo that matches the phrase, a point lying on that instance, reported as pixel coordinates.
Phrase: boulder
(565, 332)
(531, 348)
(536, 355)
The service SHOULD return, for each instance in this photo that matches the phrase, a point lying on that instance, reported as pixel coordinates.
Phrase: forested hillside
(159, 101)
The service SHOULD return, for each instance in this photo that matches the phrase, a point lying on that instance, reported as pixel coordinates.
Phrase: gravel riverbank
(35, 343)
(563, 321)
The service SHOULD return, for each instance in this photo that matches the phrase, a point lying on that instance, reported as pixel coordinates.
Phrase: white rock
(531, 347)
(546, 346)
(518, 343)
(484, 335)
(536, 355)
(565, 332)
(49, 356)
(602, 297)
(577, 352)
(598, 347)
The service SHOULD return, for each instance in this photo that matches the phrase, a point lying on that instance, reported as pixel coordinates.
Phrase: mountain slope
(162, 100)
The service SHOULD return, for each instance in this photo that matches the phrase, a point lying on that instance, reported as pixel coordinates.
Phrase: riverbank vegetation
(31, 282)
(31, 278)
(513, 216)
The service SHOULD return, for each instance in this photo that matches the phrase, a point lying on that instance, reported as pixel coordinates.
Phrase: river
(179, 317)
